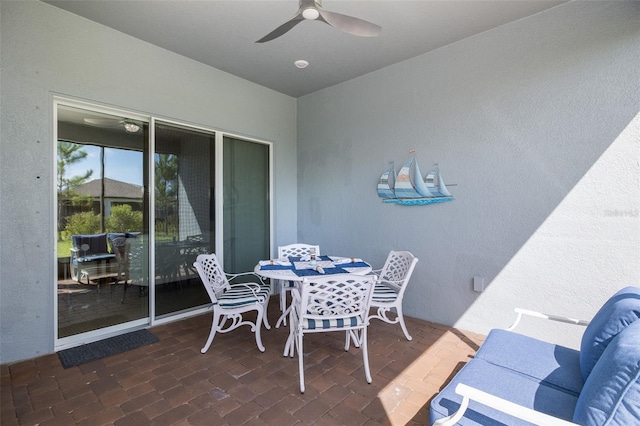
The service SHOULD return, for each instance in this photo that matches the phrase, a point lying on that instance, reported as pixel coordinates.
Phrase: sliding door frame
(152, 120)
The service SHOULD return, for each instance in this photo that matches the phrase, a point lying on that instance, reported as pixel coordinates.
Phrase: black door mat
(104, 348)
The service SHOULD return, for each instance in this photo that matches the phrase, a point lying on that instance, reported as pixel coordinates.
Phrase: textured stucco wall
(537, 124)
(47, 51)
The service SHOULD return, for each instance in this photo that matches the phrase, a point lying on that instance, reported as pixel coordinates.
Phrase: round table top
(282, 272)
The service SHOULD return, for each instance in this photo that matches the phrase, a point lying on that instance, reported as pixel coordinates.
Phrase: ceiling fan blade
(282, 29)
(349, 24)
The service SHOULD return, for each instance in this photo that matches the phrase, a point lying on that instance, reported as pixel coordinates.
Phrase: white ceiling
(222, 34)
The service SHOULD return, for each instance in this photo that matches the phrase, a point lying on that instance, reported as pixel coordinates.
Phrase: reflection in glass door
(102, 220)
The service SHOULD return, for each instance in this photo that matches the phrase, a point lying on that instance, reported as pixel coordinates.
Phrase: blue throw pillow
(622, 309)
(611, 394)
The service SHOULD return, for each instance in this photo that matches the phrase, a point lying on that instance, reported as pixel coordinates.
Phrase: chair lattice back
(398, 268)
(344, 295)
(137, 261)
(296, 250)
(212, 276)
(291, 250)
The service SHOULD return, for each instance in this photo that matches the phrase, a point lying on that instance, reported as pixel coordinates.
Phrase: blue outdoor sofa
(515, 379)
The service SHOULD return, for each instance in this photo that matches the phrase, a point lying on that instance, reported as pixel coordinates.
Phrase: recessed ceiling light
(301, 63)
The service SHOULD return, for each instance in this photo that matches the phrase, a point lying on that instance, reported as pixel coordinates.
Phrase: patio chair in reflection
(120, 248)
(129, 254)
(331, 303)
(190, 248)
(393, 279)
(231, 301)
(291, 250)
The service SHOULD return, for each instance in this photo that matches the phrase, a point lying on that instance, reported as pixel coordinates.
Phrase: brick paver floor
(172, 383)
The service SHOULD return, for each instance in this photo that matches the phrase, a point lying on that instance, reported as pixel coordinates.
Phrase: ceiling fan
(129, 125)
(312, 9)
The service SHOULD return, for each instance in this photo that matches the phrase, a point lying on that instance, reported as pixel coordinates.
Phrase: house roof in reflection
(112, 189)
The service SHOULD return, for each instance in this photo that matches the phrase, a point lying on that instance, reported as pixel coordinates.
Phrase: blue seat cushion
(611, 394)
(384, 293)
(327, 324)
(553, 364)
(240, 295)
(622, 309)
(97, 243)
(504, 383)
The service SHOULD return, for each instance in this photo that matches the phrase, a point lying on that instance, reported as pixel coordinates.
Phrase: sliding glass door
(102, 214)
(184, 215)
(246, 204)
(138, 200)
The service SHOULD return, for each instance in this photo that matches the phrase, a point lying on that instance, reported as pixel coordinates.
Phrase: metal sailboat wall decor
(409, 188)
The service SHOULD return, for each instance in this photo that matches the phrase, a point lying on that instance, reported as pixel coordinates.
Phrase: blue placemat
(275, 267)
(313, 272)
(354, 265)
(297, 258)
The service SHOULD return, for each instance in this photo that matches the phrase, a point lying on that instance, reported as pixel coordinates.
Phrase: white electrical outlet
(478, 284)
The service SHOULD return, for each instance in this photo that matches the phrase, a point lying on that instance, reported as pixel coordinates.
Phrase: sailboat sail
(436, 185)
(386, 183)
(409, 183)
(409, 188)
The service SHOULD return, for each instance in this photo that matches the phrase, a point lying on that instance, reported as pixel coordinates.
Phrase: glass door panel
(102, 216)
(246, 204)
(184, 215)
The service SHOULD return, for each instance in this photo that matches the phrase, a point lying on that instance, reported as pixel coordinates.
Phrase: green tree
(123, 219)
(83, 223)
(68, 154)
(166, 187)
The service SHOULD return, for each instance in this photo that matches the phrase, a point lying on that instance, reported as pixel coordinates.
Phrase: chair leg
(261, 315)
(283, 304)
(265, 320)
(215, 324)
(124, 291)
(291, 340)
(365, 354)
(300, 361)
(402, 324)
(282, 296)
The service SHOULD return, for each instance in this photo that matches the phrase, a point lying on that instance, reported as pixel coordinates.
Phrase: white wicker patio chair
(331, 303)
(392, 283)
(293, 250)
(230, 301)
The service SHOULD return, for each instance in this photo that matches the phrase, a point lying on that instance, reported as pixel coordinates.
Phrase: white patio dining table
(296, 269)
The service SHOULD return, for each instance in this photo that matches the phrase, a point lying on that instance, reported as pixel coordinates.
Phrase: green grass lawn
(64, 248)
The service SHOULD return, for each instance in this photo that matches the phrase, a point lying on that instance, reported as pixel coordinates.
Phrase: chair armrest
(254, 287)
(535, 314)
(394, 284)
(241, 274)
(469, 393)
